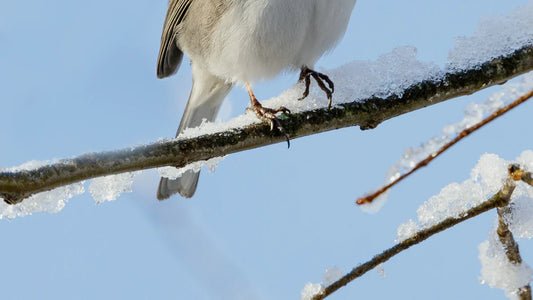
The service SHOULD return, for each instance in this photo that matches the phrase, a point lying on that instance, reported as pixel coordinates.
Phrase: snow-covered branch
(499, 200)
(510, 247)
(15, 185)
(463, 134)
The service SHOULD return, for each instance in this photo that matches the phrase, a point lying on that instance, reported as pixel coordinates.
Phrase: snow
(381, 270)
(50, 202)
(310, 290)
(331, 275)
(173, 172)
(474, 113)
(108, 188)
(30, 165)
(407, 230)
(399, 69)
(497, 271)
(389, 75)
(495, 36)
(105, 188)
(521, 218)
(526, 160)
(486, 179)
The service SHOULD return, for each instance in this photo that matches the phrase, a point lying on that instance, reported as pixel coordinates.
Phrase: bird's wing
(169, 54)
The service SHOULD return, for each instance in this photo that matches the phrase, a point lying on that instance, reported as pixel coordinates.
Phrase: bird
(241, 42)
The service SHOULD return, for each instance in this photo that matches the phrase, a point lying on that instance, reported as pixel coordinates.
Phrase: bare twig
(498, 113)
(500, 199)
(15, 186)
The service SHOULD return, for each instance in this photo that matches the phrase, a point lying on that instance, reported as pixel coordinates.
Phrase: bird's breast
(258, 39)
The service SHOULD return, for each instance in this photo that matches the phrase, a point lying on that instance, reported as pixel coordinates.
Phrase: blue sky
(79, 76)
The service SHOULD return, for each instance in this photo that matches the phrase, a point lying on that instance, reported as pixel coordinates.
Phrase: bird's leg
(320, 78)
(267, 114)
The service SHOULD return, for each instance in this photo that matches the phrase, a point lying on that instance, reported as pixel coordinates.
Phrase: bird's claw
(269, 115)
(321, 80)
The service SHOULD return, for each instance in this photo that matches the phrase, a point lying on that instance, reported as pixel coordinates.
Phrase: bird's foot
(267, 114)
(321, 80)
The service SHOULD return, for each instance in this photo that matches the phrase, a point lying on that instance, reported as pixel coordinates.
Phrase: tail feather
(206, 97)
(185, 185)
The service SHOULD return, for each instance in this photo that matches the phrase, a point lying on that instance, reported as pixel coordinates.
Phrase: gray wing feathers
(170, 55)
(185, 185)
(207, 95)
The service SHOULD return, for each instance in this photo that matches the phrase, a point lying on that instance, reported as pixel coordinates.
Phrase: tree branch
(15, 186)
(463, 134)
(500, 199)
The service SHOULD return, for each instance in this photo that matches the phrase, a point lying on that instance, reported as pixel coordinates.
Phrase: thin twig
(500, 199)
(498, 113)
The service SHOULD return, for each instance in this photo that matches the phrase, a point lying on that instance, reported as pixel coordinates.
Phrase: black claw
(307, 79)
(282, 131)
(320, 78)
(326, 79)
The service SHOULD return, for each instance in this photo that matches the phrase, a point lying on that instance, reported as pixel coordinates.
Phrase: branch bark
(15, 186)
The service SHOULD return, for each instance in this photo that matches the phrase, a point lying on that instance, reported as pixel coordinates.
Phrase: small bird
(240, 42)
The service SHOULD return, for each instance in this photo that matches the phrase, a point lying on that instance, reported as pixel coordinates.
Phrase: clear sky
(79, 76)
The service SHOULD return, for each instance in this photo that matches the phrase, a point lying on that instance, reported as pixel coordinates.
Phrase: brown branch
(500, 199)
(498, 113)
(368, 113)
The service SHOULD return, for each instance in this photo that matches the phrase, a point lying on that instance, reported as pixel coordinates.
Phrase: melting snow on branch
(495, 36)
(486, 179)
(474, 113)
(330, 276)
(310, 290)
(108, 188)
(173, 172)
(496, 269)
(393, 72)
(51, 202)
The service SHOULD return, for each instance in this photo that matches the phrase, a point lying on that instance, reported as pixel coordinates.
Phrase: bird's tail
(207, 94)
